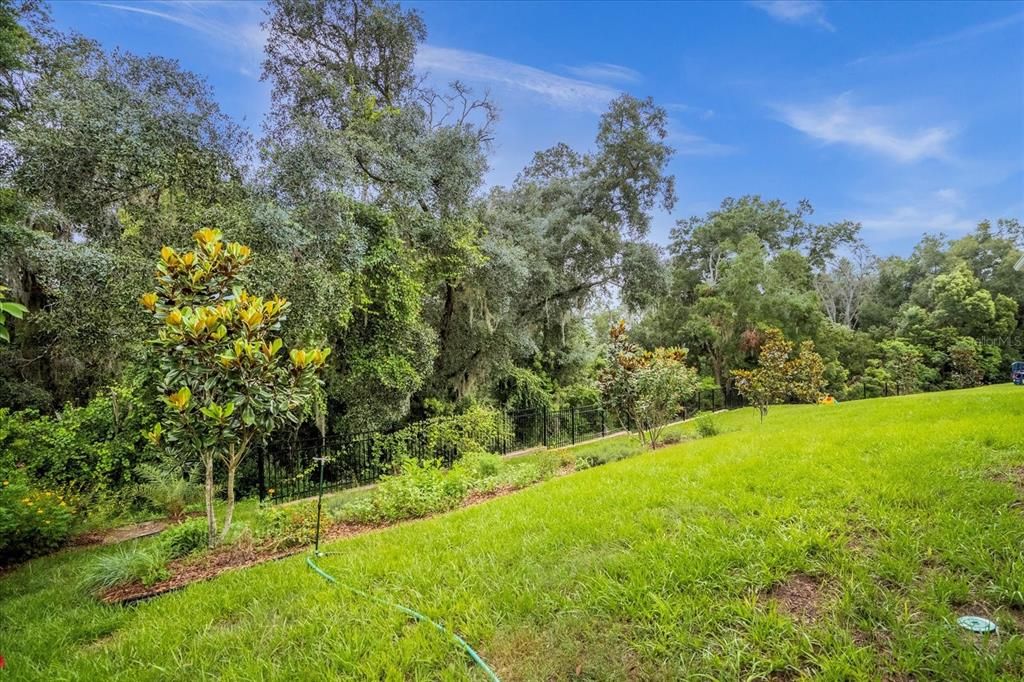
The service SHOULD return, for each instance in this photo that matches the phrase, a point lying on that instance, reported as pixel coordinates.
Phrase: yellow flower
(148, 300)
(39, 511)
(7, 482)
(174, 317)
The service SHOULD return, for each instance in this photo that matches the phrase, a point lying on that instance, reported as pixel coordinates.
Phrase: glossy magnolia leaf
(13, 309)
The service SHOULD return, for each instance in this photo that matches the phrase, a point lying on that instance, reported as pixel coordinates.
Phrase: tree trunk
(211, 518)
(444, 330)
(230, 509)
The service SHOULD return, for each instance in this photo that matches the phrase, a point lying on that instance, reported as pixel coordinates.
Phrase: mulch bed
(187, 571)
(190, 570)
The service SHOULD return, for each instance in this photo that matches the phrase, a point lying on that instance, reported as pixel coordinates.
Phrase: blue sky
(907, 117)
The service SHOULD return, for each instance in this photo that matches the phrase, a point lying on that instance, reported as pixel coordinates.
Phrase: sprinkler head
(976, 624)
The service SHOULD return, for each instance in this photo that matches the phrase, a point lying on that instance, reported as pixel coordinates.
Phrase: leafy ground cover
(835, 541)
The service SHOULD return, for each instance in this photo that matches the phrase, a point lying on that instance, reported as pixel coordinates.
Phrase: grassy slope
(656, 567)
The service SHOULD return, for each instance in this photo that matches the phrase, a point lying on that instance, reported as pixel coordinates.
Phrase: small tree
(903, 362)
(618, 378)
(645, 389)
(767, 384)
(965, 361)
(807, 374)
(777, 376)
(226, 383)
(663, 383)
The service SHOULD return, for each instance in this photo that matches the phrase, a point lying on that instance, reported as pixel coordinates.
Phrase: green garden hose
(409, 612)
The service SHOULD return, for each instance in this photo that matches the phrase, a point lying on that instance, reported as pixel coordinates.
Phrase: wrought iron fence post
(262, 475)
(545, 434)
(603, 432)
(572, 419)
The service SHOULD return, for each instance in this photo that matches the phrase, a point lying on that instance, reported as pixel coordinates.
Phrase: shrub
(672, 438)
(548, 464)
(481, 464)
(578, 395)
(288, 525)
(421, 488)
(511, 477)
(604, 452)
(184, 538)
(706, 426)
(473, 430)
(32, 521)
(94, 448)
(147, 565)
(356, 511)
(165, 488)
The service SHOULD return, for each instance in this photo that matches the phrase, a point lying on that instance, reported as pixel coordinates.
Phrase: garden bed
(189, 570)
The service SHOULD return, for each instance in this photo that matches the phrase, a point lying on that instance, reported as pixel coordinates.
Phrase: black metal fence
(288, 468)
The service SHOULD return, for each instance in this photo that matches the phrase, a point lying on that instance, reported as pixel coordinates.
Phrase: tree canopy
(365, 204)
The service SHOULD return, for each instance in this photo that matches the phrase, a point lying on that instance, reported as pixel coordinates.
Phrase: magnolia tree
(778, 376)
(645, 388)
(226, 381)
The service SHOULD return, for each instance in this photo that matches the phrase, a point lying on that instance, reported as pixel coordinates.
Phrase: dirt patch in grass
(799, 597)
(1014, 475)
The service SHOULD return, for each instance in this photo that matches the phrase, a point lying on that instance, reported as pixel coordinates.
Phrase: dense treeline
(364, 203)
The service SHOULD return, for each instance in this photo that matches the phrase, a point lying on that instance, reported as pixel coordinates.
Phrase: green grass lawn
(839, 542)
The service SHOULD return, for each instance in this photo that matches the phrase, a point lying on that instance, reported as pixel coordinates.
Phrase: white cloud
(913, 219)
(474, 66)
(687, 143)
(238, 31)
(930, 45)
(602, 71)
(808, 12)
(840, 121)
(949, 196)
